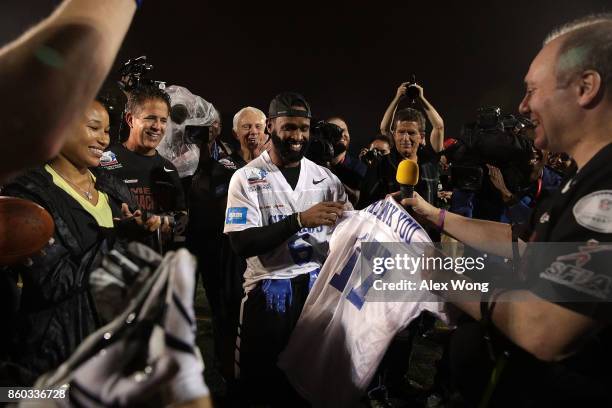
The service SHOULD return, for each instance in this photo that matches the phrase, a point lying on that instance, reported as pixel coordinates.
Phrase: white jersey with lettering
(340, 338)
(259, 195)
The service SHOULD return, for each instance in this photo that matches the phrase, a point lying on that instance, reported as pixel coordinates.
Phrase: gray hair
(587, 44)
(244, 110)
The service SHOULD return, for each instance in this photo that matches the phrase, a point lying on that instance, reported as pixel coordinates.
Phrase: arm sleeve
(258, 240)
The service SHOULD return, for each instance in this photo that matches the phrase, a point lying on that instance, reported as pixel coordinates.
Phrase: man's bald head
(586, 44)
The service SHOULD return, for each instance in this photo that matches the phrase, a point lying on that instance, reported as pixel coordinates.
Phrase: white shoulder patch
(594, 211)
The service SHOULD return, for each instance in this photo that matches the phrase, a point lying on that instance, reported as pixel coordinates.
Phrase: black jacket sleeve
(259, 240)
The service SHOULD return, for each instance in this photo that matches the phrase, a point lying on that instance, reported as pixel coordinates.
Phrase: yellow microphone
(407, 176)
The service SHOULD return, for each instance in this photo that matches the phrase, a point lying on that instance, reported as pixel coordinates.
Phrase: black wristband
(295, 222)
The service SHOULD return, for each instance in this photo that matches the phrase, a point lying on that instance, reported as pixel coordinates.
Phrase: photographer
(544, 181)
(379, 146)
(415, 92)
(407, 129)
(429, 150)
(345, 166)
(85, 35)
(408, 136)
(152, 179)
(497, 141)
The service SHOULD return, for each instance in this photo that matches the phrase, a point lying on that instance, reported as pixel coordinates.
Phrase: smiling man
(280, 208)
(152, 179)
(557, 329)
(408, 136)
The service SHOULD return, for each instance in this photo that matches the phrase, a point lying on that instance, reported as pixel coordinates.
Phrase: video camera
(192, 134)
(134, 73)
(324, 139)
(495, 139)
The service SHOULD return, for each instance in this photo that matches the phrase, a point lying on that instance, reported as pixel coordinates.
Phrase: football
(25, 229)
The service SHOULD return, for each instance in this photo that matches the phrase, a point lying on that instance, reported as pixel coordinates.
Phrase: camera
(195, 134)
(372, 157)
(134, 73)
(412, 92)
(324, 143)
(495, 139)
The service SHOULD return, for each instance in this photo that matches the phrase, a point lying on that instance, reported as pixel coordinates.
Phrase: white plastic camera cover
(199, 112)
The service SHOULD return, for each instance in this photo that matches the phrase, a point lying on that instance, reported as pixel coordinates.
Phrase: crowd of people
(259, 210)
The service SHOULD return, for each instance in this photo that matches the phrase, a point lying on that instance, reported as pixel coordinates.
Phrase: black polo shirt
(580, 212)
(575, 272)
(153, 180)
(380, 180)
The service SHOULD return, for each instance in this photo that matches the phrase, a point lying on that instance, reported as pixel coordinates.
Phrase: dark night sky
(347, 59)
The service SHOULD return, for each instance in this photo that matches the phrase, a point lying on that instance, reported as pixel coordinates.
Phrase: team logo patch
(570, 270)
(236, 215)
(605, 204)
(108, 159)
(594, 211)
(255, 175)
(544, 218)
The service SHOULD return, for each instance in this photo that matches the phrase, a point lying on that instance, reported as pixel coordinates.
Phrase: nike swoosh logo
(318, 181)
(168, 170)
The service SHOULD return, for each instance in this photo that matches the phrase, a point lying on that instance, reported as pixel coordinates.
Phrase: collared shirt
(580, 212)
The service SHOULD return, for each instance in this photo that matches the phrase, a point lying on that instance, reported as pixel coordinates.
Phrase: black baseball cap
(283, 103)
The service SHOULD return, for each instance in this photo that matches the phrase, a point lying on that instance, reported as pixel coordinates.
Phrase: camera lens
(412, 92)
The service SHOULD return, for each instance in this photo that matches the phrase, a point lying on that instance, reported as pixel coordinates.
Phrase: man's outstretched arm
(436, 138)
(385, 123)
(487, 236)
(50, 75)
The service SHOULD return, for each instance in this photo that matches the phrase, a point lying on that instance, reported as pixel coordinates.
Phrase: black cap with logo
(283, 104)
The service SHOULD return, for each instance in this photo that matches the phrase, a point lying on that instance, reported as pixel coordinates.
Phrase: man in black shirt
(408, 137)
(348, 168)
(152, 179)
(559, 332)
(407, 130)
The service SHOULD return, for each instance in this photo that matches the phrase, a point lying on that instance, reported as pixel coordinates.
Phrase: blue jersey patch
(236, 215)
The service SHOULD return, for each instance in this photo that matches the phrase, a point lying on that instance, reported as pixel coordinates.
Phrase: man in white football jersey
(280, 209)
(343, 332)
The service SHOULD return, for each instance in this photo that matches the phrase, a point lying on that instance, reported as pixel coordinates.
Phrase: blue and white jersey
(259, 195)
(340, 338)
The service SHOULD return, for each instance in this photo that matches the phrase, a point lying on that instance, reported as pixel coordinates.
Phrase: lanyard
(539, 190)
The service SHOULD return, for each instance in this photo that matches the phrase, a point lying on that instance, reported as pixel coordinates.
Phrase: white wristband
(299, 221)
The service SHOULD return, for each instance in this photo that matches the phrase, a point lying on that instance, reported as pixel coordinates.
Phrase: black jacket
(379, 180)
(56, 310)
